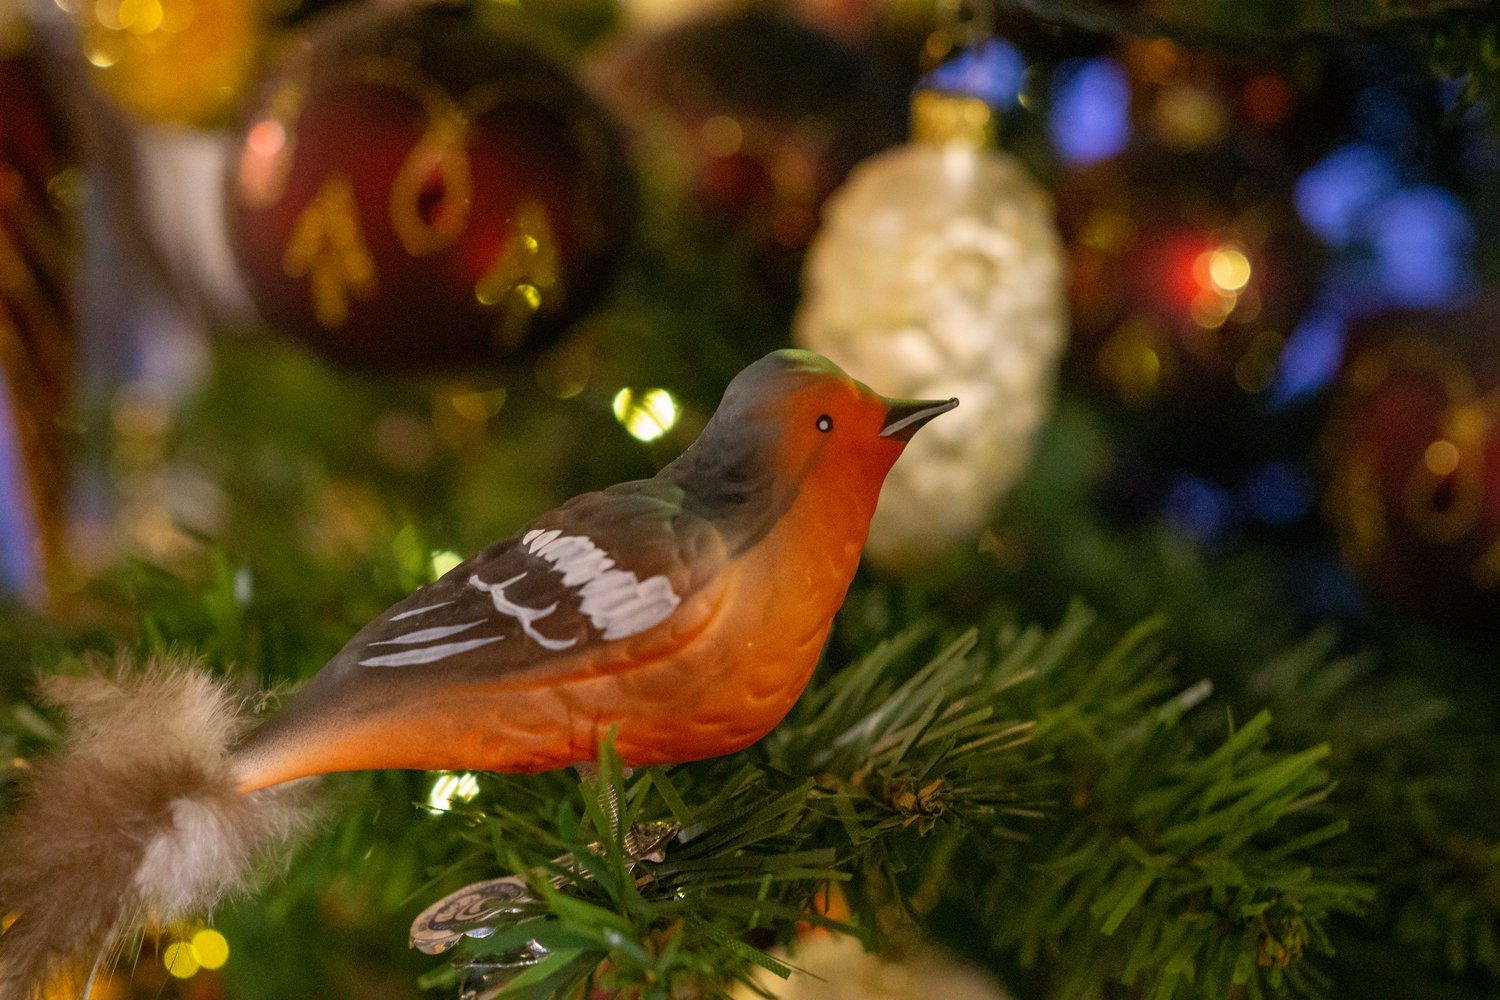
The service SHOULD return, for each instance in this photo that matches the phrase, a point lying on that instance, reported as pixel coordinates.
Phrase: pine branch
(1420, 791)
(1415, 768)
(1172, 870)
(1115, 851)
(873, 765)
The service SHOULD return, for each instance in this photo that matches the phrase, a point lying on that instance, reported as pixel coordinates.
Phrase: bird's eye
(825, 423)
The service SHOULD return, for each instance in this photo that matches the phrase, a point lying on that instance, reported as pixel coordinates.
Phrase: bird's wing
(604, 566)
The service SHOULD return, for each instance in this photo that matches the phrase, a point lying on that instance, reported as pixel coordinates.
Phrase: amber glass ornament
(36, 328)
(1413, 455)
(186, 62)
(751, 120)
(420, 187)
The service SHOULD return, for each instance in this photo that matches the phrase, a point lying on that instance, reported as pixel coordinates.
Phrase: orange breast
(720, 690)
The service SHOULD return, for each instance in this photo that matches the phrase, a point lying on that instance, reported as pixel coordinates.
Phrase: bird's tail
(135, 820)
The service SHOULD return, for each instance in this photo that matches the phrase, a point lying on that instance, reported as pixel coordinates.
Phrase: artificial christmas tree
(1240, 775)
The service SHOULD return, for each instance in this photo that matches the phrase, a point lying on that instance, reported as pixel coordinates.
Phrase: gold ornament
(187, 62)
(524, 276)
(1439, 502)
(432, 193)
(37, 241)
(938, 272)
(939, 119)
(326, 248)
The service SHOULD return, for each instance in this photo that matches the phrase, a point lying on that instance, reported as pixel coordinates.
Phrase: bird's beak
(903, 417)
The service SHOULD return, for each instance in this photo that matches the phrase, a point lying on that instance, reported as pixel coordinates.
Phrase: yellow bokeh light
(1441, 457)
(180, 960)
(107, 12)
(722, 136)
(100, 57)
(450, 788)
(530, 295)
(563, 371)
(147, 17)
(1131, 363)
(1188, 117)
(444, 560)
(210, 948)
(647, 414)
(124, 16)
(1229, 269)
(478, 406)
(1211, 310)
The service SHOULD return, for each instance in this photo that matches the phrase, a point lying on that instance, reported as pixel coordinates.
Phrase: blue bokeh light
(1279, 493)
(993, 72)
(1422, 237)
(1198, 508)
(1401, 243)
(1310, 361)
(1090, 115)
(19, 568)
(1333, 195)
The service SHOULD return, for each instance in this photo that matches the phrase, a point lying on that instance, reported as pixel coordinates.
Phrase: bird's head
(793, 423)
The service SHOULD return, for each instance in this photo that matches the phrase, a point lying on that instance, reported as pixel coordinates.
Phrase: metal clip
(481, 909)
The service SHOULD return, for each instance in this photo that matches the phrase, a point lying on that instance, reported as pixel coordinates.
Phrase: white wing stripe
(408, 657)
(616, 602)
(427, 634)
(536, 539)
(420, 611)
(526, 616)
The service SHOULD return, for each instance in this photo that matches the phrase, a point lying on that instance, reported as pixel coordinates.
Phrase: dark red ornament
(423, 187)
(755, 119)
(1413, 453)
(36, 326)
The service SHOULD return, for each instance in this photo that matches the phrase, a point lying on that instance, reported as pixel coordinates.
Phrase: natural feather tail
(135, 819)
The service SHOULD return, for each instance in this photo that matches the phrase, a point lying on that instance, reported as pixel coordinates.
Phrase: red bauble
(36, 327)
(1413, 450)
(753, 120)
(420, 187)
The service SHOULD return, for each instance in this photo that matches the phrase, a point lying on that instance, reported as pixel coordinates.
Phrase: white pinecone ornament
(939, 272)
